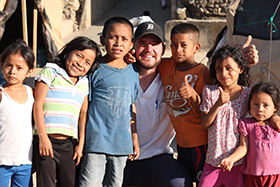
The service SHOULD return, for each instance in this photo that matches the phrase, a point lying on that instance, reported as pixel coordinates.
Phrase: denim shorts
(100, 169)
(19, 175)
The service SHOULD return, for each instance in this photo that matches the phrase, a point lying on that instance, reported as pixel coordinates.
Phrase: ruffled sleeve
(242, 128)
(207, 99)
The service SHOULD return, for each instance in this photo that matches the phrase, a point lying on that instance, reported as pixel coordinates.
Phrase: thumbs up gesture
(224, 97)
(250, 52)
(186, 91)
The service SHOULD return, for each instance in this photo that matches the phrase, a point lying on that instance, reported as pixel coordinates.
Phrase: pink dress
(223, 135)
(264, 148)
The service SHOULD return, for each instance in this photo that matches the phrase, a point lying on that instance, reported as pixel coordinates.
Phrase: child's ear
(102, 40)
(29, 72)
(131, 45)
(276, 108)
(197, 47)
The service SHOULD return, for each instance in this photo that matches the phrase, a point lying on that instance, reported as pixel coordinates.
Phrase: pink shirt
(223, 135)
(264, 148)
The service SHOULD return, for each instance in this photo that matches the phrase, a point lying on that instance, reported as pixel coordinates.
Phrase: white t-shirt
(155, 131)
(16, 130)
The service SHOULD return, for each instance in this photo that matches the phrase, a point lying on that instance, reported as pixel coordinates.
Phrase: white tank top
(16, 130)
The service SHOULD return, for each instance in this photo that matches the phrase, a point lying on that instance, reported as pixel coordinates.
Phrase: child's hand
(227, 164)
(134, 156)
(129, 58)
(224, 97)
(275, 122)
(136, 153)
(250, 52)
(78, 154)
(45, 147)
(186, 91)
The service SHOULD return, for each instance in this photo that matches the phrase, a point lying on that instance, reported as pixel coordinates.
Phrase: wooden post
(35, 25)
(3, 4)
(24, 21)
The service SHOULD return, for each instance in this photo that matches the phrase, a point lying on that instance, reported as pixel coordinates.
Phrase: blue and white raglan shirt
(63, 101)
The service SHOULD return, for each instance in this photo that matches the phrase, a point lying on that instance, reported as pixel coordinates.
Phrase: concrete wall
(208, 31)
(99, 7)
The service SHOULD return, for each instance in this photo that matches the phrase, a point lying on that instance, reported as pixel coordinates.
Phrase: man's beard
(147, 66)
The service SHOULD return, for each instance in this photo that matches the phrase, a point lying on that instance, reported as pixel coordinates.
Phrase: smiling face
(78, 62)
(262, 106)
(149, 50)
(15, 69)
(183, 48)
(227, 72)
(117, 40)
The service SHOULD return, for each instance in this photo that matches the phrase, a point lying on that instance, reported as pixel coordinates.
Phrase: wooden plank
(35, 26)
(24, 21)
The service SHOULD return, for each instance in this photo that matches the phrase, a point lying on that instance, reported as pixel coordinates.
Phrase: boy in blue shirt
(111, 129)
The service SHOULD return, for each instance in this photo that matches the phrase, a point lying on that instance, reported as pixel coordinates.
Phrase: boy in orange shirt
(184, 79)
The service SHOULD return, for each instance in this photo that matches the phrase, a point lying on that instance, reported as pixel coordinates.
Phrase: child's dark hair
(19, 47)
(268, 88)
(114, 20)
(79, 43)
(233, 51)
(146, 13)
(185, 28)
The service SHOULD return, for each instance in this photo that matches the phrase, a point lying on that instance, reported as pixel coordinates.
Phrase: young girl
(259, 140)
(16, 102)
(223, 105)
(60, 112)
